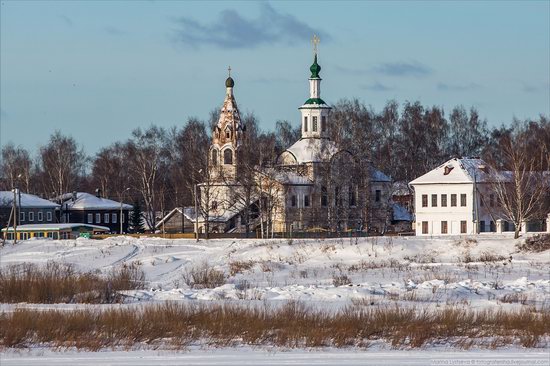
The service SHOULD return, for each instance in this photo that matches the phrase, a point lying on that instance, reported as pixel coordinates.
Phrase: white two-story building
(455, 198)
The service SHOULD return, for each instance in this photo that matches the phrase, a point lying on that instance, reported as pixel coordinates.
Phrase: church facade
(311, 186)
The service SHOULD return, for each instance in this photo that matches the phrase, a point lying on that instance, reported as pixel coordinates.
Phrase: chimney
(98, 192)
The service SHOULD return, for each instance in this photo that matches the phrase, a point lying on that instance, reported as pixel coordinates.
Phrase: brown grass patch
(176, 325)
(61, 283)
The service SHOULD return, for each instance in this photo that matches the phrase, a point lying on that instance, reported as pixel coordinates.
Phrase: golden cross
(229, 70)
(315, 42)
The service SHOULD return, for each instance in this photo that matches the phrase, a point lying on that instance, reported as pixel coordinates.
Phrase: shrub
(60, 283)
(537, 243)
(341, 280)
(204, 276)
(236, 267)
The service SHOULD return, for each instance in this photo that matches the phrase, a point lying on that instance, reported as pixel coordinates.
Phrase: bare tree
(523, 189)
(16, 168)
(62, 163)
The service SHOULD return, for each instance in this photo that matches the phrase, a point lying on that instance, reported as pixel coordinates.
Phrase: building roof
(312, 150)
(27, 200)
(56, 226)
(457, 170)
(188, 212)
(87, 201)
(400, 213)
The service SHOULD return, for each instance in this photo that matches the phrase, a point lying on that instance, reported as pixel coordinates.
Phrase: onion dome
(229, 83)
(315, 69)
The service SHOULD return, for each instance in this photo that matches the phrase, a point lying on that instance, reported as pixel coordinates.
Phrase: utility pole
(121, 214)
(197, 210)
(15, 213)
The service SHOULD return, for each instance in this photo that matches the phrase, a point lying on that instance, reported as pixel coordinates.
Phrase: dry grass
(537, 243)
(204, 276)
(236, 267)
(60, 283)
(176, 325)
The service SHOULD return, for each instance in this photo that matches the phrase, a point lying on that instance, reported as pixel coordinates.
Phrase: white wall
(435, 215)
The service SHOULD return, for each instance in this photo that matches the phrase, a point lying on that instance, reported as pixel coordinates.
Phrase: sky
(96, 70)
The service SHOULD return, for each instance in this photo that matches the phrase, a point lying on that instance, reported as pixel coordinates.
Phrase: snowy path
(247, 356)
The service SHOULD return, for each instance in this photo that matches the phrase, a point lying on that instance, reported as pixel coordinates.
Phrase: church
(311, 186)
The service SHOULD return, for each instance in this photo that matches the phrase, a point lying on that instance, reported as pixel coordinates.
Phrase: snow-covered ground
(481, 271)
(485, 271)
(250, 356)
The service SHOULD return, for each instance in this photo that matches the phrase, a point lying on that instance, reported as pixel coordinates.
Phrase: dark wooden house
(86, 208)
(31, 209)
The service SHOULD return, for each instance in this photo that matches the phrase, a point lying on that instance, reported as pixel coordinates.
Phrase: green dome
(315, 69)
(229, 83)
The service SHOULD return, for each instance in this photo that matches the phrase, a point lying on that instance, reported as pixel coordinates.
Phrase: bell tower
(315, 112)
(226, 137)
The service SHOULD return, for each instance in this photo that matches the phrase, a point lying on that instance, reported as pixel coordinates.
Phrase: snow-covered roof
(457, 170)
(308, 150)
(87, 201)
(27, 200)
(378, 176)
(188, 212)
(57, 226)
(400, 213)
(287, 177)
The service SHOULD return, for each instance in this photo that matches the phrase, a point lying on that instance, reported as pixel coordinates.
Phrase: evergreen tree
(136, 220)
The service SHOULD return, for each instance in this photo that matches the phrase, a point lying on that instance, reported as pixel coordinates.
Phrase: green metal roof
(315, 69)
(315, 101)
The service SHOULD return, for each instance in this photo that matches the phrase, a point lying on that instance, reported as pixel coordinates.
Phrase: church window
(228, 156)
(352, 198)
(227, 134)
(214, 205)
(324, 197)
(314, 128)
(306, 200)
(323, 123)
(293, 200)
(215, 156)
(305, 124)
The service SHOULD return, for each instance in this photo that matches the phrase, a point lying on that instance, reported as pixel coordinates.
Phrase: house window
(453, 200)
(98, 218)
(448, 169)
(114, 218)
(424, 200)
(314, 128)
(48, 216)
(31, 216)
(463, 227)
(305, 124)
(106, 218)
(21, 216)
(424, 227)
(228, 156)
(377, 195)
(482, 226)
(324, 197)
(463, 200)
(306, 200)
(323, 123)
(352, 198)
(434, 200)
(444, 227)
(492, 200)
(215, 156)
(40, 216)
(90, 218)
(443, 200)
(293, 200)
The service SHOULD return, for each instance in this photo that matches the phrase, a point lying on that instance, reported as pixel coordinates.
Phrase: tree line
(159, 167)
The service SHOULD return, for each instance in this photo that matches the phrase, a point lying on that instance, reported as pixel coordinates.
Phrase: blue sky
(96, 69)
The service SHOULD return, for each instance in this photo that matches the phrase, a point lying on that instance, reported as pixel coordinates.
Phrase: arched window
(314, 128)
(305, 124)
(228, 156)
(215, 156)
(214, 205)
